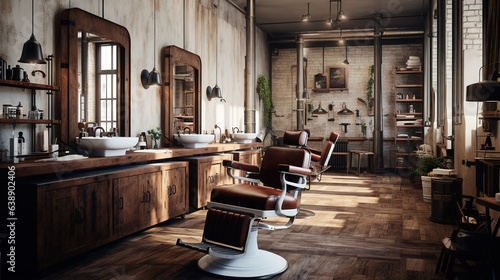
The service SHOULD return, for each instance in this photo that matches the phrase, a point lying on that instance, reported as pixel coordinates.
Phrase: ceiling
(282, 18)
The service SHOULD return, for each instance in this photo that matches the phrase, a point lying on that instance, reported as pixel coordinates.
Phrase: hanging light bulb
(308, 16)
(341, 14)
(32, 50)
(341, 40)
(152, 78)
(346, 61)
(329, 21)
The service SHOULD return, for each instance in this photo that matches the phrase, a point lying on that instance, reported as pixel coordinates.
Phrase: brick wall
(284, 78)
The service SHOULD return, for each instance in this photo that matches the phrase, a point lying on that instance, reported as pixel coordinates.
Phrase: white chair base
(255, 263)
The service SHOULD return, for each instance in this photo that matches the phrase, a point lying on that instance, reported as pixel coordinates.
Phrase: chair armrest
(241, 166)
(294, 169)
(314, 151)
(315, 157)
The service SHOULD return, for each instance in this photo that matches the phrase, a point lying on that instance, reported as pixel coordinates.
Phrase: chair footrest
(212, 249)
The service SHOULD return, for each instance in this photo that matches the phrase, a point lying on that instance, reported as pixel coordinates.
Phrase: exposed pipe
(249, 68)
(300, 82)
(362, 35)
(457, 64)
(428, 67)
(378, 145)
(441, 65)
(236, 6)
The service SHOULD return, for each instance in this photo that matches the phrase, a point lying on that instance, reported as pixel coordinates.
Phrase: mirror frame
(174, 55)
(73, 21)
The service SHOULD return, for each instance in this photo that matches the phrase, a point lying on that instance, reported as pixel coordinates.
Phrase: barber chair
(321, 159)
(295, 138)
(235, 213)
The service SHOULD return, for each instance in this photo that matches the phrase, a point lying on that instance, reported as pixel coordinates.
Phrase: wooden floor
(365, 228)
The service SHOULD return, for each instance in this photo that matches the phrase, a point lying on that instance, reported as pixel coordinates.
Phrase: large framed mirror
(181, 95)
(93, 69)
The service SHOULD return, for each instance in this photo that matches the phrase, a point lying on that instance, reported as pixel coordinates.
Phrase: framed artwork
(337, 78)
(320, 81)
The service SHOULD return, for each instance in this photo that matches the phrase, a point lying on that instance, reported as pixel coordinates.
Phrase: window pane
(103, 110)
(106, 57)
(108, 86)
(103, 86)
(114, 57)
(114, 110)
(108, 105)
(114, 86)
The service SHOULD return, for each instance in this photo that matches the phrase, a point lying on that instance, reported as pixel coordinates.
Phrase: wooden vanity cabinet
(206, 173)
(136, 200)
(72, 218)
(78, 212)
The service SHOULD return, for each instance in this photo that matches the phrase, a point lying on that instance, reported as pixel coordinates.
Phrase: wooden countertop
(31, 168)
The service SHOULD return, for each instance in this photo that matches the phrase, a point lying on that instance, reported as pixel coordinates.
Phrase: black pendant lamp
(346, 62)
(319, 110)
(152, 78)
(216, 92)
(32, 50)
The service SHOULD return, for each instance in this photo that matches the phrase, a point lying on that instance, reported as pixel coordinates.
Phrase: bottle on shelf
(34, 114)
(19, 110)
(21, 145)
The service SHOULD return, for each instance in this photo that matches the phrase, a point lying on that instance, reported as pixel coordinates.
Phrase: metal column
(300, 82)
(249, 68)
(441, 66)
(378, 137)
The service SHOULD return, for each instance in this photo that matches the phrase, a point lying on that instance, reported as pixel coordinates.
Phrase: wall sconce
(216, 92)
(488, 90)
(152, 78)
(32, 50)
(319, 110)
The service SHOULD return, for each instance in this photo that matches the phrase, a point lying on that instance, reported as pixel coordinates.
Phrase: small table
(490, 203)
(371, 165)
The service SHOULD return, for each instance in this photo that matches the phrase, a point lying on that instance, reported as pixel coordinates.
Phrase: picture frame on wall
(337, 78)
(320, 81)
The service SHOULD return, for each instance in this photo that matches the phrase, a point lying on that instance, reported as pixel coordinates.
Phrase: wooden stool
(359, 153)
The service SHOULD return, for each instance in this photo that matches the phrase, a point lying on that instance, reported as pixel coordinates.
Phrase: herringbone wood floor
(365, 228)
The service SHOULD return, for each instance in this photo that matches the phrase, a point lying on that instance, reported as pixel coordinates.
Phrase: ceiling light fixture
(330, 19)
(32, 50)
(341, 14)
(308, 16)
(341, 40)
(216, 92)
(346, 62)
(152, 78)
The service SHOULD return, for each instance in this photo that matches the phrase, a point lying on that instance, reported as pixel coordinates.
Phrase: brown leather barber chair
(321, 159)
(235, 214)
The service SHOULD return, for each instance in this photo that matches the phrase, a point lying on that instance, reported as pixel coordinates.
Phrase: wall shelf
(14, 121)
(11, 83)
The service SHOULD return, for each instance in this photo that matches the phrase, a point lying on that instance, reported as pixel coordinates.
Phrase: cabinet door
(175, 183)
(63, 223)
(96, 211)
(151, 205)
(75, 217)
(128, 197)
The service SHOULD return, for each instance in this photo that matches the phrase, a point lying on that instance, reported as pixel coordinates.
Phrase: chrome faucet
(237, 130)
(97, 128)
(188, 129)
(220, 133)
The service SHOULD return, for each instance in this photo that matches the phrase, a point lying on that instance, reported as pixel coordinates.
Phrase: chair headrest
(334, 137)
(295, 138)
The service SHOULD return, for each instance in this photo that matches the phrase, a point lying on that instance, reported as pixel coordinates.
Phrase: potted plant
(425, 165)
(155, 136)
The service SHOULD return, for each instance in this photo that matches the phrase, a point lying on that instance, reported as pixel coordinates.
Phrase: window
(106, 85)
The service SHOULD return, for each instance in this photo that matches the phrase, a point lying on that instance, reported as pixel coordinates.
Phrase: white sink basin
(196, 140)
(107, 146)
(243, 138)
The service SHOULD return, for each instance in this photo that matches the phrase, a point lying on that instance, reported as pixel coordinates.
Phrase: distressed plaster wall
(201, 18)
(360, 58)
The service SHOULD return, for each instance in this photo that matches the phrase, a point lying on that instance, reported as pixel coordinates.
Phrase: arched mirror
(93, 66)
(181, 96)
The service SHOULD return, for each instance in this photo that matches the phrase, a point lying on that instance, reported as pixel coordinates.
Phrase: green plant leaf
(264, 92)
